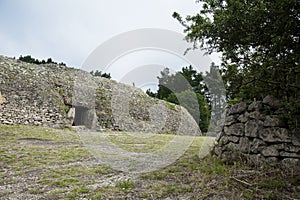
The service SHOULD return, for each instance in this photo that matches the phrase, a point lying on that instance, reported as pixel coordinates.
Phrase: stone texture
(288, 154)
(257, 115)
(270, 151)
(235, 129)
(257, 145)
(252, 127)
(244, 145)
(233, 139)
(243, 117)
(272, 121)
(274, 134)
(230, 120)
(42, 95)
(272, 102)
(291, 163)
(1, 101)
(258, 135)
(256, 105)
(273, 161)
(237, 108)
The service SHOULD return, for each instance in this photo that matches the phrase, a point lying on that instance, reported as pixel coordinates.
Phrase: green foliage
(99, 73)
(125, 185)
(171, 106)
(185, 88)
(29, 59)
(234, 101)
(259, 42)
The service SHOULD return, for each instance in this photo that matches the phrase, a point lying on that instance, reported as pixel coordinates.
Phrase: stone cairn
(258, 133)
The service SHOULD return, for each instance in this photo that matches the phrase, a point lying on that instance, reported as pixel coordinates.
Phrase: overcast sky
(69, 30)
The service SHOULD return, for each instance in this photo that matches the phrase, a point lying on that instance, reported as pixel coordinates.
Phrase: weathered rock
(230, 120)
(235, 129)
(233, 139)
(272, 121)
(256, 159)
(218, 150)
(296, 139)
(43, 95)
(257, 115)
(256, 105)
(291, 163)
(252, 127)
(274, 134)
(243, 117)
(244, 145)
(257, 145)
(1, 101)
(259, 135)
(273, 161)
(292, 148)
(289, 155)
(270, 151)
(237, 108)
(272, 102)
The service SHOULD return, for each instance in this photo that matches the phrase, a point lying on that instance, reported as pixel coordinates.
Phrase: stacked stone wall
(258, 133)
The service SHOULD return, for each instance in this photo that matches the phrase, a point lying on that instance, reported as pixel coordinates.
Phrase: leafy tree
(259, 42)
(195, 105)
(29, 59)
(150, 93)
(186, 88)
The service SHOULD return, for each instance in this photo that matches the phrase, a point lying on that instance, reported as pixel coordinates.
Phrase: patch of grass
(140, 142)
(155, 175)
(64, 182)
(101, 169)
(65, 170)
(162, 188)
(78, 191)
(171, 106)
(126, 185)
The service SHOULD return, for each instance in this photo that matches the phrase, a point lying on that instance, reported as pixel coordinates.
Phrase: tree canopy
(101, 74)
(259, 42)
(30, 59)
(185, 88)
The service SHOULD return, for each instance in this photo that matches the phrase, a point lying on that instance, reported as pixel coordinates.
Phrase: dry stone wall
(257, 132)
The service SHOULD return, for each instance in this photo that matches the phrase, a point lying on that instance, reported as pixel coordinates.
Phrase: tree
(259, 43)
(99, 73)
(195, 104)
(29, 59)
(185, 88)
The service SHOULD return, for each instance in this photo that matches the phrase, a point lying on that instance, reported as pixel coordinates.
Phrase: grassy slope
(47, 163)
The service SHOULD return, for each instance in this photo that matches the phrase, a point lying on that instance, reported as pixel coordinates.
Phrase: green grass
(54, 164)
(126, 185)
(140, 142)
